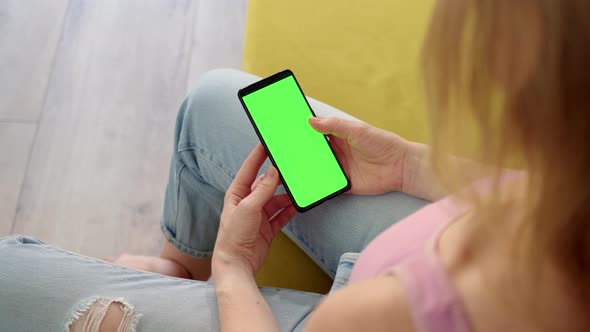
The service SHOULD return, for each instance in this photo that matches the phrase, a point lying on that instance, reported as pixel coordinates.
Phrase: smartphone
(307, 165)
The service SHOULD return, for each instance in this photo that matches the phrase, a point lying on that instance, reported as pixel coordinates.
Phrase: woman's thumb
(264, 189)
(330, 126)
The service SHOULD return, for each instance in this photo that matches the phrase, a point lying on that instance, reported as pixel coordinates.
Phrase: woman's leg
(213, 137)
(43, 288)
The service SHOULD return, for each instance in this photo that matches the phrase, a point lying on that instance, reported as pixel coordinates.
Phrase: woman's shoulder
(377, 304)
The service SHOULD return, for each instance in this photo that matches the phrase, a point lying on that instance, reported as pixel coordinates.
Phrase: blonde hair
(507, 86)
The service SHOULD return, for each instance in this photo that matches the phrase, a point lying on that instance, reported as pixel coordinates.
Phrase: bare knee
(104, 315)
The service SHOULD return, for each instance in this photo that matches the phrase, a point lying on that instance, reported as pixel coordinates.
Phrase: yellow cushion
(361, 57)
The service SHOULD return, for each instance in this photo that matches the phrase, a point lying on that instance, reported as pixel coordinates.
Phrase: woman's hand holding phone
(251, 218)
(373, 158)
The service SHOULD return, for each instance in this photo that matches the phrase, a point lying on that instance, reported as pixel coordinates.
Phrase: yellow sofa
(359, 56)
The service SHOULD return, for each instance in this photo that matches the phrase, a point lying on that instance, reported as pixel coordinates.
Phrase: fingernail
(314, 119)
(270, 172)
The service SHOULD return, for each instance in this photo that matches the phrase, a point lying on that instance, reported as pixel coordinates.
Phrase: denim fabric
(345, 266)
(42, 287)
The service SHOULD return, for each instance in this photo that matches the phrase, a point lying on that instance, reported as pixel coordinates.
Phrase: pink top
(408, 250)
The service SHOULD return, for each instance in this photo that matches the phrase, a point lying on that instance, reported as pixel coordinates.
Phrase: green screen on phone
(307, 165)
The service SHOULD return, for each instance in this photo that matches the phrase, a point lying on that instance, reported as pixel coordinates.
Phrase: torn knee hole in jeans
(103, 314)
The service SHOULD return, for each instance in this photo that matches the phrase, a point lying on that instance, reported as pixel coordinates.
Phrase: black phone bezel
(262, 84)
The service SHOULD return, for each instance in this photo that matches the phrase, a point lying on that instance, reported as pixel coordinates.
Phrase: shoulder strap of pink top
(431, 296)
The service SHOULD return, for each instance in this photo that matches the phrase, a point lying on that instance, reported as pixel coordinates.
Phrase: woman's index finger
(243, 180)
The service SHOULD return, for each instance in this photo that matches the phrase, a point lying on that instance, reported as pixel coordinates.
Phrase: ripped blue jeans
(43, 288)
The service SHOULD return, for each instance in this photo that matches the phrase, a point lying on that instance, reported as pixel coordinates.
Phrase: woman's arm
(241, 306)
(372, 305)
(378, 161)
(418, 177)
(252, 216)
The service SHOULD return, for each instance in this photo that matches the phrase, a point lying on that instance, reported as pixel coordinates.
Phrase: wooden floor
(89, 90)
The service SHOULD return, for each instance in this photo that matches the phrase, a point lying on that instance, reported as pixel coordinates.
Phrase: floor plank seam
(191, 48)
(40, 116)
(17, 121)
